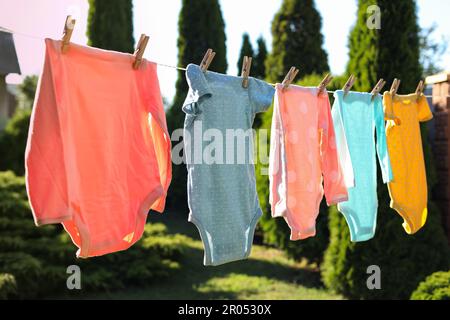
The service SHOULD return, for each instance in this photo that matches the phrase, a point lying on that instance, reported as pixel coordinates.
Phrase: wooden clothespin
(289, 77)
(207, 59)
(378, 87)
(67, 33)
(246, 65)
(394, 87)
(140, 49)
(324, 83)
(420, 89)
(349, 84)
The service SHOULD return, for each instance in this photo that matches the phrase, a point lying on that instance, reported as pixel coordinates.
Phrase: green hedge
(33, 261)
(404, 259)
(8, 286)
(435, 287)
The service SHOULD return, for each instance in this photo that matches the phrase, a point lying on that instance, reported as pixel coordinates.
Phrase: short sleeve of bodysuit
(261, 95)
(423, 110)
(387, 106)
(198, 89)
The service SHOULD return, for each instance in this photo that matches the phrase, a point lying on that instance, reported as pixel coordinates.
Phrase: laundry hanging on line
(408, 191)
(358, 119)
(222, 199)
(98, 151)
(303, 154)
(108, 104)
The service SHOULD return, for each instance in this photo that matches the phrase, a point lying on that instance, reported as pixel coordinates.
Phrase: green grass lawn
(267, 274)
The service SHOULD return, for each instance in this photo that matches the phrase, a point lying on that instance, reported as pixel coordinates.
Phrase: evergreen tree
(110, 25)
(246, 50)
(27, 91)
(33, 260)
(297, 40)
(200, 26)
(259, 67)
(393, 51)
(405, 260)
(259, 71)
(13, 139)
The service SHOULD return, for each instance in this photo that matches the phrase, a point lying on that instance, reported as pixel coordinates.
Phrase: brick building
(440, 134)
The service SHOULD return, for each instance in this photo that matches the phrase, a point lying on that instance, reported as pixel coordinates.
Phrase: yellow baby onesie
(408, 189)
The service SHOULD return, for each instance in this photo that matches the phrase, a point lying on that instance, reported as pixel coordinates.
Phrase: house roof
(8, 56)
(438, 78)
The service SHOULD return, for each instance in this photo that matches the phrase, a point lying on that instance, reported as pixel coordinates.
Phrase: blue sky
(158, 19)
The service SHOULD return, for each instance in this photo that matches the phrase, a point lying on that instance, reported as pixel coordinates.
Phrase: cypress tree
(200, 26)
(297, 40)
(404, 260)
(259, 67)
(393, 51)
(246, 50)
(110, 25)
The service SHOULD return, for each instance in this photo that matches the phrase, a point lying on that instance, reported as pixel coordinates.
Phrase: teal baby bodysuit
(356, 119)
(218, 145)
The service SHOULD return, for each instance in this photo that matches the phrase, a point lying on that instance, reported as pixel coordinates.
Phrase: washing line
(157, 63)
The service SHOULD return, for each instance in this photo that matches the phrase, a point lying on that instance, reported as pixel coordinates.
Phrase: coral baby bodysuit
(98, 151)
(218, 142)
(356, 118)
(408, 189)
(302, 153)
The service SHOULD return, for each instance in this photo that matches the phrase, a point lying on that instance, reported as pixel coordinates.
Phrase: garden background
(167, 261)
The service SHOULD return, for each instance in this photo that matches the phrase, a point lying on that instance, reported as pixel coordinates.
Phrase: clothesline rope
(158, 63)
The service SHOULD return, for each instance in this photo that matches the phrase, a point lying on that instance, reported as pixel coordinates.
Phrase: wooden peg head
(289, 77)
(395, 86)
(324, 83)
(210, 59)
(207, 59)
(349, 84)
(286, 78)
(420, 89)
(292, 76)
(69, 25)
(246, 66)
(140, 49)
(378, 87)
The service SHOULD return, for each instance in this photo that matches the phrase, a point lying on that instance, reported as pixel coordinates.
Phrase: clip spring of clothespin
(69, 25)
(140, 49)
(289, 77)
(246, 65)
(420, 88)
(394, 87)
(324, 83)
(349, 84)
(207, 59)
(378, 87)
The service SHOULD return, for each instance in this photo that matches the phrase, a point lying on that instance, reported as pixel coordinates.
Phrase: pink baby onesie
(98, 151)
(302, 150)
